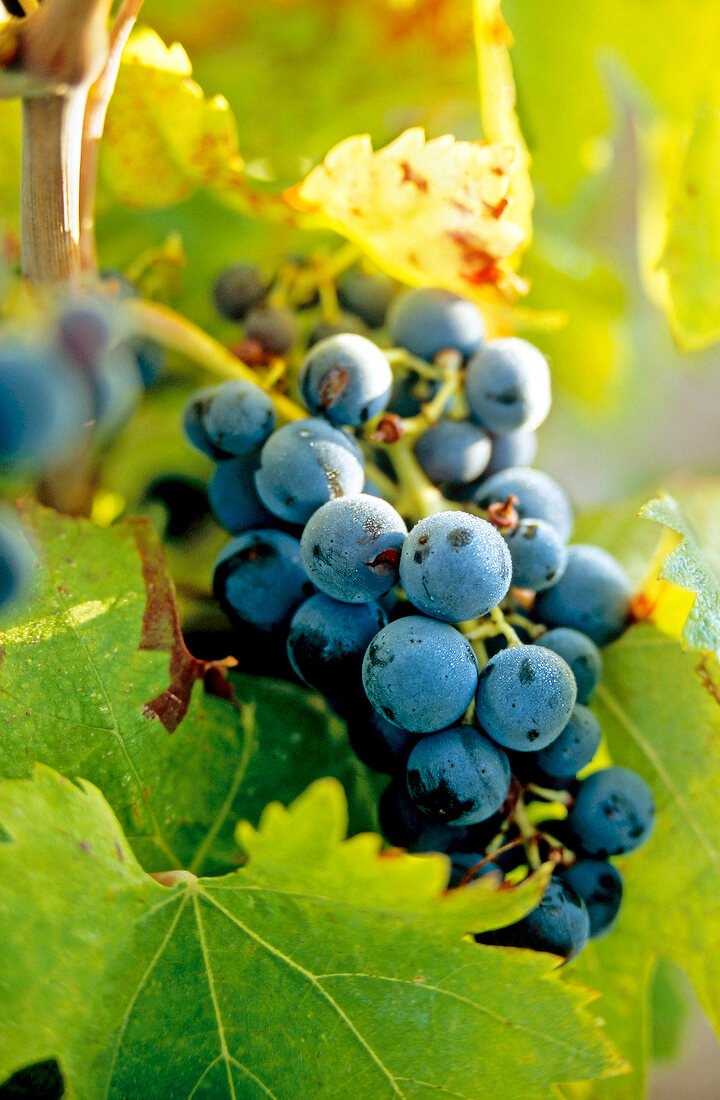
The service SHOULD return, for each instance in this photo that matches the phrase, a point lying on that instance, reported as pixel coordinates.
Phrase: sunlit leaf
(427, 211)
(271, 981)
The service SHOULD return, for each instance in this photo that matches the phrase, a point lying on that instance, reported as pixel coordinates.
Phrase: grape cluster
(418, 570)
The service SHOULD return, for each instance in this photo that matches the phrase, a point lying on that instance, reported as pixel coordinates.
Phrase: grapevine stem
(502, 626)
(563, 797)
(399, 357)
(384, 483)
(166, 327)
(418, 496)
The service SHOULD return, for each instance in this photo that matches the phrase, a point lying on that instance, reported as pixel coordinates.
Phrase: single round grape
(538, 554)
(419, 673)
(613, 813)
(194, 426)
(525, 697)
(539, 496)
(236, 290)
(16, 560)
(276, 330)
(410, 392)
(454, 451)
(427, 320)
(574, 748)
(581, 654)
(236, 417)
(458, 776)
(367, 295)
(592, 596)
(455, 566)
(305, 464)
(84, 331)
(346, 379)
(45, 405)
(327, 643)
(507, 386)
(402, 823)
(464, 862)
(351, 548)
(512, 449)
(380, 744)
(600, 886)
(559, 925)
(233, 496)
(343, 323)
(259, 579)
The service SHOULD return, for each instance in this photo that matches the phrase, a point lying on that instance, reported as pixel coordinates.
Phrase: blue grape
(276, 330)
(259, 579)
(410, 392)
(419, 673)
(16, 560)
(512, 449)
(427, 320)
(343, 323)
(44, 405)
(592, 596)
(237, 290)
(458, 776)
(233, 496)
(84, 331)
(507, 386)
(232, 419)
(466, 864)
(581, 654)
(600, 886)
(403, 824)
(574, 748)
(327, 643)
(525, 697)
(613, 813)
(150, 357)
(346, 379)
(305, 464)
(455, 566)
(368, 296)
(118, 387)
(559, 925)
(351, 548)
(454, 451)
(538, 554)
(539, 496)
(380, 744)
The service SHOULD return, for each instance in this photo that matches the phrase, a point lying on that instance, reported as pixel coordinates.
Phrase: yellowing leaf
(163, 138)
(429, 212)
(691, 256)
(498, 101)
(682, 596)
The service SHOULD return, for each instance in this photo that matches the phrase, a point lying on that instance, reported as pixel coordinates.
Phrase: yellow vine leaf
(498, 102)
(163, 138)
(428, 212)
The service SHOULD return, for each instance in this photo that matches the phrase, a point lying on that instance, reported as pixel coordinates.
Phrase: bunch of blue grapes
(462, 647)
(68, 382)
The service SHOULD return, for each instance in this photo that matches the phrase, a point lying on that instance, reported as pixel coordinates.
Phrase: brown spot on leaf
(410, 175)
(496, 210)
(161, 631)
(706, 677)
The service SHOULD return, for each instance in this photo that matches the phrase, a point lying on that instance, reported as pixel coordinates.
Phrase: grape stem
(502, 626)
(563, 797)
(166, 327)
(528, 834)
(399, 357)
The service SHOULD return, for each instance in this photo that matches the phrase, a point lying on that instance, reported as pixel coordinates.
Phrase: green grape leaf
(659, 708)
(685, 567)
(337, 973)
(159, 116)
(96, 681)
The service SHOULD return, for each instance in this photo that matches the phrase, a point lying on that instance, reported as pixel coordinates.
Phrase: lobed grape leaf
(95, 680)
(335, 975)
(659, 708)
(159, 116)
(432, 212)
(684, 567)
